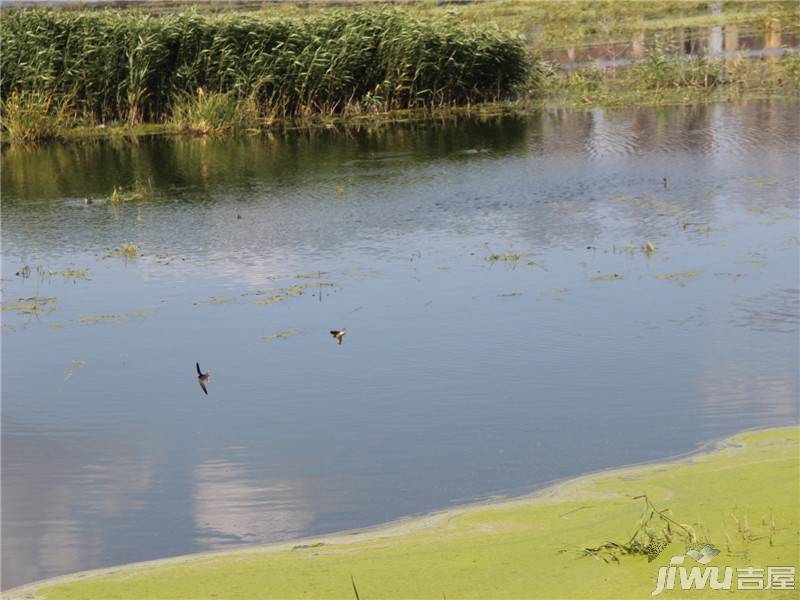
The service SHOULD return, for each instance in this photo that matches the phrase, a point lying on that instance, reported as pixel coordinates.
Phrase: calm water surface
(460, 377)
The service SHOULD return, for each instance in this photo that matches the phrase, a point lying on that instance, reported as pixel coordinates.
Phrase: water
(459, 378)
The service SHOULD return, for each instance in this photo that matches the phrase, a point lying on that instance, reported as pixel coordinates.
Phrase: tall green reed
(129, 66)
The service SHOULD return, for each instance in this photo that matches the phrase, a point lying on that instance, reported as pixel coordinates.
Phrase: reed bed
(108, 66)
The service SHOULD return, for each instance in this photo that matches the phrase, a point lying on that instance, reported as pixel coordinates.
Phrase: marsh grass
(214, 113)
(135, 67)
(34, 116)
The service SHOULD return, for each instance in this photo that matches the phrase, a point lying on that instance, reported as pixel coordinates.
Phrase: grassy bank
(742, 497)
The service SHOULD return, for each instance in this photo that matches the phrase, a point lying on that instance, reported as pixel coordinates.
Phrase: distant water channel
(507, 324)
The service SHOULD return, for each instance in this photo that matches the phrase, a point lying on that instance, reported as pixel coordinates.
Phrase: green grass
(741, 497)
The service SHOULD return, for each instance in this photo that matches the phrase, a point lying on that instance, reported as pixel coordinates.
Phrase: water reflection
(730, 40)
(231, 507)
(460, 375)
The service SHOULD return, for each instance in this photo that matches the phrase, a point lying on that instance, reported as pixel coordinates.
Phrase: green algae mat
(725, 519)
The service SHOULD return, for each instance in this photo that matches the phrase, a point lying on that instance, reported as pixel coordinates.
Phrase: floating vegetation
(648, 248)
(140, 190)
(734, 276)
(35, 305)
(295, 290)
(504, 257)
(70, 274)
(127, 251)
(76, 364)
(762, 183)
(655, 530)
(533, 263)
(696, 227)
(678, 277)
(651, 203)
(509, 295)
(609, 277)
(317, 275)
(291, 292)
(756, 262)
(228, 300)
(116, 318)
(56, 326)
(281, 335)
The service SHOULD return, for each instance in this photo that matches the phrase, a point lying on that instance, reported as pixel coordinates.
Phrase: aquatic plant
(281, 335)
(140, 190)
(609, 277)
(291, 292)
(70, 273)
(504, 257)
(34, 305)
(214, 112)
(678, 277)
(128, 250)
(33, 115)
(76, 364)
(116, 318)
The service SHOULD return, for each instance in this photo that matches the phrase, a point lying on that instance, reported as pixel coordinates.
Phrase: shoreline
(621, 100)
(560, 491)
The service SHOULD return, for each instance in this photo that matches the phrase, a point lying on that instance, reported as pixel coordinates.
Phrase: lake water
(460, 377)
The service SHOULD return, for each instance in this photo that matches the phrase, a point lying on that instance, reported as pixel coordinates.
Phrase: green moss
(523, 548)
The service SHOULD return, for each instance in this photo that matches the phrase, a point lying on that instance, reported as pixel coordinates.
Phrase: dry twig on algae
(655, 529)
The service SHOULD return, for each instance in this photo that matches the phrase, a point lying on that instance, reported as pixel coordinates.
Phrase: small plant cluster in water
(127, 250)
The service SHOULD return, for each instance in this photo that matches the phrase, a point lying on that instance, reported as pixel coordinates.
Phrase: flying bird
(338, 334)
(202, 378)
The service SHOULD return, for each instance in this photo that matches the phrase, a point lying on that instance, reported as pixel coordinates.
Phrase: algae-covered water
(524, 299)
